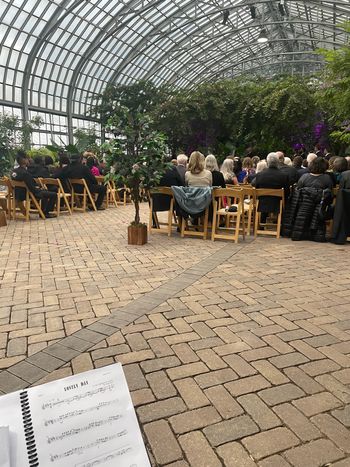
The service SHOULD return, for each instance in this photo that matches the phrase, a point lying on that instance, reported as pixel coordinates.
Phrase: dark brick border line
(37, 366)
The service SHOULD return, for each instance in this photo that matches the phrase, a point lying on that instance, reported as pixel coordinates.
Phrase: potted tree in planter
(137, 157)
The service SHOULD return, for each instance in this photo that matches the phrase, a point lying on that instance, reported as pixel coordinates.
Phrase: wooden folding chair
(278, 193)
(249, 207)
(234, 220)
(30, 198)
(6, 197)
(81, 198)
(153, 217)
(111, 193)
(61, 195)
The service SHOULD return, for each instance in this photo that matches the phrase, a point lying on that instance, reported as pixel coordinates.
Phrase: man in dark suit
(271, 177)
(344, 181)
(182, 167)
(21, 174)
(77, 170)
(170, 178)
(292, 172)
(37, 169)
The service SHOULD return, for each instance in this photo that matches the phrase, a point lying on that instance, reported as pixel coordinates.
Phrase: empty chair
(228, 221)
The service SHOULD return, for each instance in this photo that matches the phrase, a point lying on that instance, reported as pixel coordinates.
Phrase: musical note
(76, 431)
(75, 413)
(81, 449)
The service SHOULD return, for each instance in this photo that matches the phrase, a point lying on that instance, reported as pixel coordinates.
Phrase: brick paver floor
(235, 355)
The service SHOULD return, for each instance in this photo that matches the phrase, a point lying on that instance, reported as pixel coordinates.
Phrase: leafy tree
(139, 97)
(14, 135)
(334, 94)
(136, 154)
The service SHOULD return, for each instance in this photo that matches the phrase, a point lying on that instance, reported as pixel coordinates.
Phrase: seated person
(340, 166)
(77, 170)
(21, 174)
(227, 170)
(291, 171)
(238, 170)
(345, 180)
(197, 175)
(273, 178)
(248, 167)
(182, 166)
(63, 161)
(261, 165)
(37, 168)
(92, 165)
(171, 177)
(317, 176)
(49, 164)
(212, 165)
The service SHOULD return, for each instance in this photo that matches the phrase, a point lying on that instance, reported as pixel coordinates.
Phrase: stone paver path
(235, 355)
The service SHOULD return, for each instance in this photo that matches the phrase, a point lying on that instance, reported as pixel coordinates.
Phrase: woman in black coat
(212, 165)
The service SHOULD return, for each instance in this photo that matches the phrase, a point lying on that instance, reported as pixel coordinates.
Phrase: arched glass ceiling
(56, 56)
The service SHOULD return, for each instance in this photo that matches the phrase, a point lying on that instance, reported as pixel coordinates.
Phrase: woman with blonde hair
(196, 174)
(228, 173)
(212, 165)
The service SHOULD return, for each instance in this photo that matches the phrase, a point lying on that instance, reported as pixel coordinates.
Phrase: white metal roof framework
(56, 56)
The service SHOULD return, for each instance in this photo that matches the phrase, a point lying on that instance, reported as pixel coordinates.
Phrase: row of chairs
(235, 212)
(77, 199)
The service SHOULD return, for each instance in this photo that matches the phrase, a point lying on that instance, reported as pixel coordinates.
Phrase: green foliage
(245, 114)
(136, 154)
(139, 97)
(86, 140)
(44, 151)
(14, 135)
(335, 94)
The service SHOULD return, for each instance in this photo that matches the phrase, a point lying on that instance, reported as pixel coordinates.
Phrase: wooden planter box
(137, 234)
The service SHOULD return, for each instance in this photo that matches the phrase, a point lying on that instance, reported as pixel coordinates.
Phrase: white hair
(272, 160)
(288, 161)
(182, 159)
(310, 157)
(261, 165)
(211, 163)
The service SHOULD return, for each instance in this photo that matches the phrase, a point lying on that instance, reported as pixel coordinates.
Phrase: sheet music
(87, 420)
(11, 416)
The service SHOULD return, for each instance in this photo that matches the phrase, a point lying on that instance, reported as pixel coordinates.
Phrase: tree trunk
(136, 199)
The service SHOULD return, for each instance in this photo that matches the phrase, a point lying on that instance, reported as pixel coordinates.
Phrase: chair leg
(257, 216)
(91, 200)
(66, 202)
(213, 227)
(238, 223)
(170, 215)
(279, 221)
(37, 205)
(58, 204)
(183, 224)
(205, 225)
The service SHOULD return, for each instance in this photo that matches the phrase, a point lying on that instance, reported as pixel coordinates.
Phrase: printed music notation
(107, 457)
(76, 413)
(81, 449)
(87, 420)
(78, 430)
(78, 397)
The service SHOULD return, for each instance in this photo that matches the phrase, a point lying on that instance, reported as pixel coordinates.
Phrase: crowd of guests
(75, 166)
(307, 182)
(276, 171)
